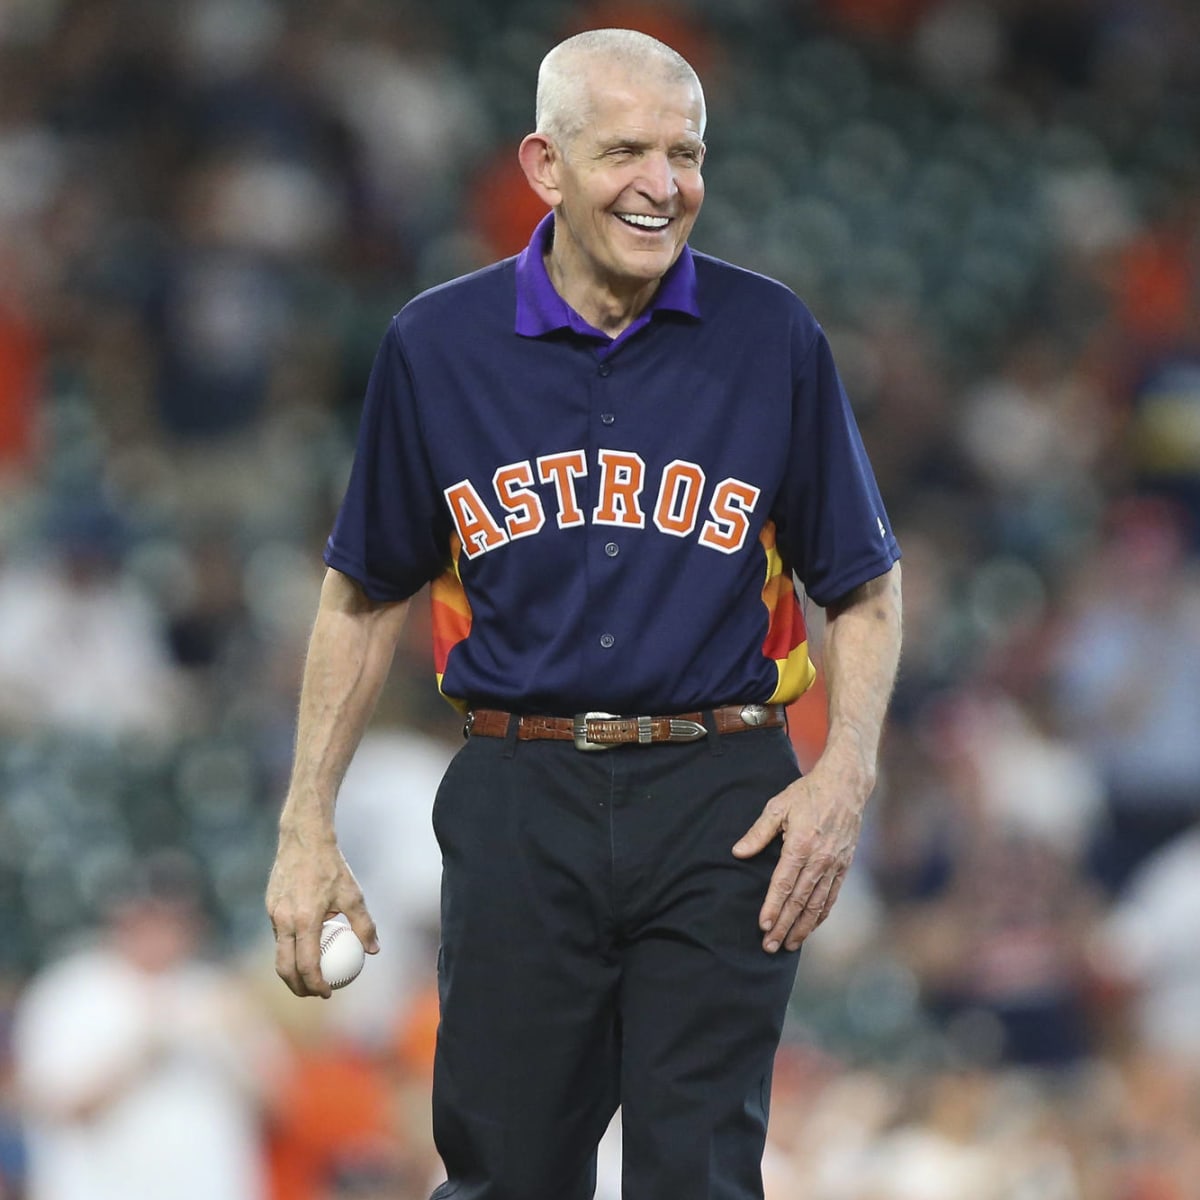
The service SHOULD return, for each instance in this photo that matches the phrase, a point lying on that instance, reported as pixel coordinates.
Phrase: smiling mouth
(643, 221)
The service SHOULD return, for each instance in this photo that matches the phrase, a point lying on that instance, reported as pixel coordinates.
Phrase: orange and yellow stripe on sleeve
(786, 643)
(451, 615)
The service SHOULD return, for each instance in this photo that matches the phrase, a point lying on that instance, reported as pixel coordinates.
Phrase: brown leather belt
(603, 731)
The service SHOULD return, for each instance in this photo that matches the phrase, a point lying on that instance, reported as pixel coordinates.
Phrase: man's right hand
(349, 654)
(310, 882)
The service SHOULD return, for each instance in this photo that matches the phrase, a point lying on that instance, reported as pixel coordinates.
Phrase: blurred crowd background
(209, 210)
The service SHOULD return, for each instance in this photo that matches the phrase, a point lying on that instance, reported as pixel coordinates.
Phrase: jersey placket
(609, 502)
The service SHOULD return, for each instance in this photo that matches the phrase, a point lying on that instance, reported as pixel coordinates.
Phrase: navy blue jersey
(611, 524)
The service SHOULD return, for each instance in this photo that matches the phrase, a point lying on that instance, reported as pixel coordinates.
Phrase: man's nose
(657, 180)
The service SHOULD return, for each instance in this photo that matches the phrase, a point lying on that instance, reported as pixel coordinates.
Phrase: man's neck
(609, 307)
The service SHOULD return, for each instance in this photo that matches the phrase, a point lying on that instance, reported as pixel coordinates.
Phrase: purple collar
(541, 310)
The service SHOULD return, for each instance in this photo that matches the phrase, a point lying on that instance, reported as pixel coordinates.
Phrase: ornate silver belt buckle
(581, 730)
(755, 714)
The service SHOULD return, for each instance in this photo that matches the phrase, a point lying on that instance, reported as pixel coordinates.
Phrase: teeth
(645, 222)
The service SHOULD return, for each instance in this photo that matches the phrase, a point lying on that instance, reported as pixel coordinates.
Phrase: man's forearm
(861, 657)
(349, 655)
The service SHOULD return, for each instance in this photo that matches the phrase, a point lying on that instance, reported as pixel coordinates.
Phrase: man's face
(630, 182)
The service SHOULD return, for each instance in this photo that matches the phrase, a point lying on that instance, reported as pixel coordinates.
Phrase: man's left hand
(820, 819)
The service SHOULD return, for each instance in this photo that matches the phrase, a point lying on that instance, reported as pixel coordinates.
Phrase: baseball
(342, 954)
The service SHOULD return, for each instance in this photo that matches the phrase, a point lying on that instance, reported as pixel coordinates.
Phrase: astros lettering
(675, 511)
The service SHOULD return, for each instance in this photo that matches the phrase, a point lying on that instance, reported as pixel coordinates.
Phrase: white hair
(562, 98)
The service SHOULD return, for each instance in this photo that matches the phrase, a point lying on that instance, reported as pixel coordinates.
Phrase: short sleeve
(392, 531)
(832, 523)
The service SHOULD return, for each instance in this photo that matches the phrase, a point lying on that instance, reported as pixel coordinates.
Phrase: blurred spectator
(968, 1133)
(999, 954)
(143, 1069)
(354, 1120)
(942, 1135)
(998, 946)
(1146, 947)
(221, 309)
(1163, 428)
(1128, 682)
(1033, 434)
(208, 612)
(414, 115)
(81, 645)
(334, 1125)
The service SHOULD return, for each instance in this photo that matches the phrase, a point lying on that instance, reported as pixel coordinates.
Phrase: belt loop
(714, 736)
(510, 736)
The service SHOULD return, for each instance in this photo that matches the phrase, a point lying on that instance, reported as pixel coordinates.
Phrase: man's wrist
(848, 760)
(306, 825)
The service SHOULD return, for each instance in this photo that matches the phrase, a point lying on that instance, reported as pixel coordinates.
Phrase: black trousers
(600, 947)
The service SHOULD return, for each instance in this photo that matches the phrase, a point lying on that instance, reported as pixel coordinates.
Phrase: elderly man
(610, 456)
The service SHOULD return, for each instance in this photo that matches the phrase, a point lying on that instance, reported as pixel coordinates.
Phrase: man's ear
(539, 159)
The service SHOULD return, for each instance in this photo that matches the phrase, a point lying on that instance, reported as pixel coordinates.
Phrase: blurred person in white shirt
(1147, 948)
(143, 1070)
(81, 645)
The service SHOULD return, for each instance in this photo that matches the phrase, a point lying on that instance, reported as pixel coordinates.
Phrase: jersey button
(605, 368)
(612, 549)
(607, 418)
(607, 641)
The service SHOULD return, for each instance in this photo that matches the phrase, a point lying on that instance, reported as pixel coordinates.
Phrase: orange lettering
(621, 477)
(525, 512)
(679, 498)
(731, 505)
(477, 529)
(562, 470)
